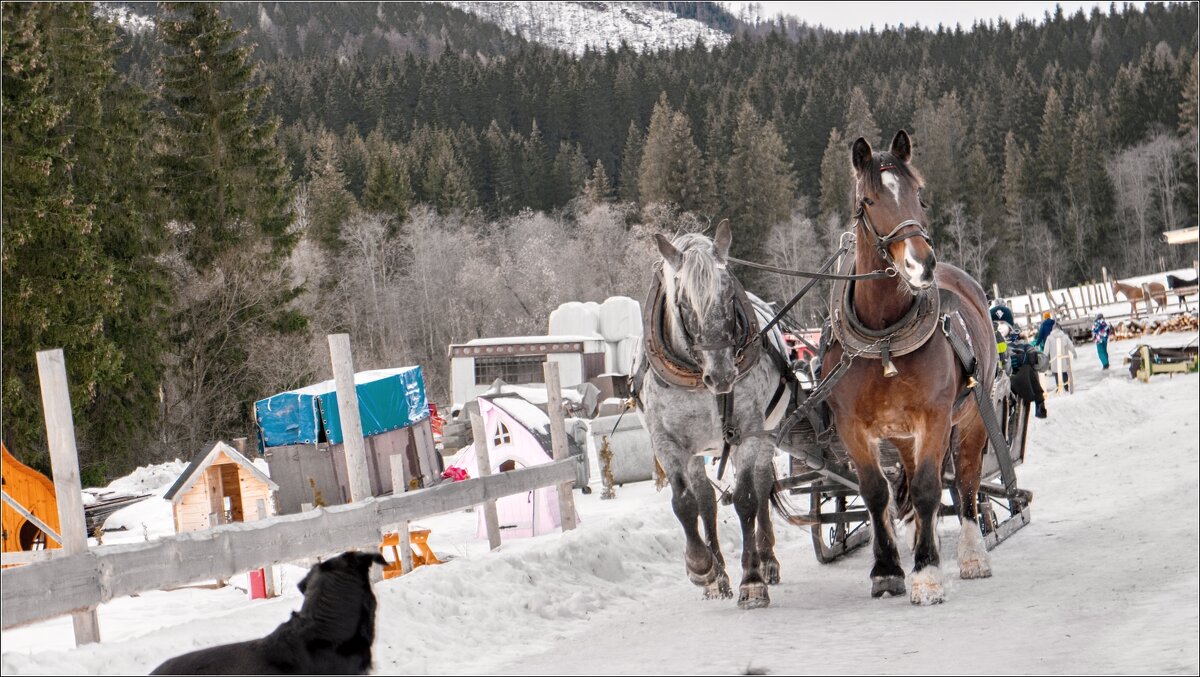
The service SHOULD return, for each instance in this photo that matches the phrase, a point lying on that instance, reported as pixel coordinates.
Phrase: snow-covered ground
(1105, 579)
(576, 26)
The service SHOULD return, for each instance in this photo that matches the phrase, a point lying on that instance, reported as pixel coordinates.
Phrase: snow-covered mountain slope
(123, 17)
(575, 26)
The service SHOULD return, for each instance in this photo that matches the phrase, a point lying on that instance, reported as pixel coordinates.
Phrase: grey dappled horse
(700, 321)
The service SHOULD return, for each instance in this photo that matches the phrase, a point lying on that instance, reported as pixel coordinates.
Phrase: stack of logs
(1132, 328)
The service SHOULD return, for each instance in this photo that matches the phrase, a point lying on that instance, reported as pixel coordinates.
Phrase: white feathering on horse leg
(925, 587)
(973, 558)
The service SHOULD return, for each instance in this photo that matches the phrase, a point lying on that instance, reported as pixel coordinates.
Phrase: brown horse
(1136, 295)
(919, 410)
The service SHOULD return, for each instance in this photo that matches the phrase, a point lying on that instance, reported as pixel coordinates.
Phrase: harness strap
(966, 356)
(728, 431)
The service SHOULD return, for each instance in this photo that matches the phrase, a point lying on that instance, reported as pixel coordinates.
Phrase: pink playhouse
(515, 431)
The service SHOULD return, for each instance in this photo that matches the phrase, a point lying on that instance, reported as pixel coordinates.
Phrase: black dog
(331, 635)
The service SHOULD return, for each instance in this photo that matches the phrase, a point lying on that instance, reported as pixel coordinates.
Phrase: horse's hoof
(927, 588)
(974, 567)
(754, 596)
(720, 589)
(973, 558)
(770, 572)
(891, 585)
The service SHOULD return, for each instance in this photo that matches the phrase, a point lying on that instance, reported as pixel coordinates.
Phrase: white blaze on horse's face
(891, 183)
(914, 270)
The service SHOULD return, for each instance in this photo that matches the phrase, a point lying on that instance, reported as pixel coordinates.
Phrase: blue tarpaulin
(387, 399)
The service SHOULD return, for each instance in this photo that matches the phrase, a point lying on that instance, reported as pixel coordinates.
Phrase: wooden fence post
(1146, 297)
(484, 461)
(558, 440)
(347, 399)
(399, 486)
(64, 463)
(269, 570)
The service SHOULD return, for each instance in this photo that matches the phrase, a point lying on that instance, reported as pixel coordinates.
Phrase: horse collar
(682, 371)
(906, 335)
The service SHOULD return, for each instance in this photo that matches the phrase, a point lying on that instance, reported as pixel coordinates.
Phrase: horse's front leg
(707, 504)
(750, 497)
(925, 487)
(698, 557)
(887, 576)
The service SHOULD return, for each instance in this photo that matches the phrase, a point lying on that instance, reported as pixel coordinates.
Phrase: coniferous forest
(189, 208)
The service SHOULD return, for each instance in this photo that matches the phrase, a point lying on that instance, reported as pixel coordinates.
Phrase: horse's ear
(723, 240)
(669, 253)
(860, 155)
(902, 146)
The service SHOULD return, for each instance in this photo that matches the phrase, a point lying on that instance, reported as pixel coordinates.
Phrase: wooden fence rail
(81, 581)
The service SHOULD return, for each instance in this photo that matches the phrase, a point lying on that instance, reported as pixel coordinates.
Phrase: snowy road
(1105, 579)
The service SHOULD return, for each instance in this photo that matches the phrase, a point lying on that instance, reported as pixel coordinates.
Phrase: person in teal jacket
(1100, 334)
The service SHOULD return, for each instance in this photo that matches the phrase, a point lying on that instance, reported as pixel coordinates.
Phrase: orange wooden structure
(418, 540)
(220, 486)
(35, 492)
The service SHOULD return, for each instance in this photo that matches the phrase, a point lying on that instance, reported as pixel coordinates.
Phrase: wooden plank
(16, 505)
(31, 556)
(483, 459)
(399, 468)
(269, 570)
(558, 440)
(64, 463)
(62, 585)
(358, 477)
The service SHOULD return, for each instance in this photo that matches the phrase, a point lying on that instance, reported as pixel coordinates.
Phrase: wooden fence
(76, 582)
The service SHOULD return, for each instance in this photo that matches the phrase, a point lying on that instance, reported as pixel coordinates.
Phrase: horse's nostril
(708, 380)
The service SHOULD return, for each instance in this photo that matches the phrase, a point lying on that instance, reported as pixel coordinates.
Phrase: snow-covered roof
(359, 379)
(202, 461)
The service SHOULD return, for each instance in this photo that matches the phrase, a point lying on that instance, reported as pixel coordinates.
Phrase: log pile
(1133, 328)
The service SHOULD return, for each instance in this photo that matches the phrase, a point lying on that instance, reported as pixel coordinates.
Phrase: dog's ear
(364, 560)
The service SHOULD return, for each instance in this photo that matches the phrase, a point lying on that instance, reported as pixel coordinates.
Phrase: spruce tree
(330, 202)
(597, 188)
(631, 161)
(59, 289)
(672, 170)
(860, 122)
(222, 168)
(758, 182)
(836, 180)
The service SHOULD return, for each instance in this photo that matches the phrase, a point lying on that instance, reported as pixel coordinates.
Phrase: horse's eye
(924, 204)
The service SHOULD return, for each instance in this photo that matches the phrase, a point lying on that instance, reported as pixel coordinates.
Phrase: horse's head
(701, 296)
(887, 190)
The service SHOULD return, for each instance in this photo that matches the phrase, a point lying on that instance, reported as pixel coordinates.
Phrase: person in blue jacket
(1101, 332)
(1044, 330)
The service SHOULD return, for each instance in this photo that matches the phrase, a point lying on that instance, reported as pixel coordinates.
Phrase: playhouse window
(509, 368)
(503, 436)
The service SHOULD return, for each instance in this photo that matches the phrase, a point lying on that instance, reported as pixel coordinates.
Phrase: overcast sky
(856, 15)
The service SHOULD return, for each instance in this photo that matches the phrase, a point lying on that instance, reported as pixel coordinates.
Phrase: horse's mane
(700, 274)
(873, 177)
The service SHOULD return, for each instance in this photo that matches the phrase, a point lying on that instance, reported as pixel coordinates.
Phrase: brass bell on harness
(885, 356)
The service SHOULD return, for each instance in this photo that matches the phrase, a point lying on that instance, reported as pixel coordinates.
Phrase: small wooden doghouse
(218, 487)
(35, 494)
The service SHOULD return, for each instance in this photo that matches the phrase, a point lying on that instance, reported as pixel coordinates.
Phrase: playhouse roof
(204, 460)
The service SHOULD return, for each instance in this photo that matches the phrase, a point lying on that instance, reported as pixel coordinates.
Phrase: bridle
(742, 336)
(882, 243)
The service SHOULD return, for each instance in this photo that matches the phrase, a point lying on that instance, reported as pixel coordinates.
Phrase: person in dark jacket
(1044, 330)
(1020, 357)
